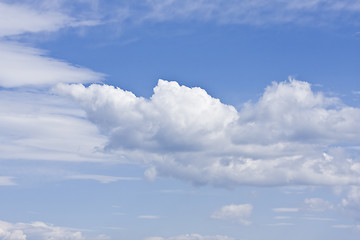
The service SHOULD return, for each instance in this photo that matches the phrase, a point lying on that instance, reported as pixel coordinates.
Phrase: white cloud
(6, 181)
(352, 200)
(21, 65)
(40, 126)
(317, 204)
(282, 210)
(39, 16)
(290, 136)
(192, 237)
(319, 219)
(343, 226)
(237, 213)
(280, 224)
(148, 217)
(29, 20)
(256, 12)
(26, 66)
(40, 231)
(282, 217)
(102, 178)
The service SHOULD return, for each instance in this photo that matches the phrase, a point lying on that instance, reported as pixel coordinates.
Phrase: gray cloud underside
(291, 135)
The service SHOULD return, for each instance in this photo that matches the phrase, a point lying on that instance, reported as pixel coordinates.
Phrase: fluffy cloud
(292, 135)
(238, 213)
(317, 204)
(39, 231)
(192, 237)
(351, 203)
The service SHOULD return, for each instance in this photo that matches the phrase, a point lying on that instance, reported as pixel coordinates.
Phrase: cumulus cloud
(317, 204)
(237, 213)
(192, 237)
(40, 231)
(351, 202)
(291, 135)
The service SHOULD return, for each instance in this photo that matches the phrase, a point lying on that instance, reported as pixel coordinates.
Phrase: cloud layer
(39, 231)
(192, 237)
(291, 135)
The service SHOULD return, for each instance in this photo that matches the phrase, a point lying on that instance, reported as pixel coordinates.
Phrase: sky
(179, 119)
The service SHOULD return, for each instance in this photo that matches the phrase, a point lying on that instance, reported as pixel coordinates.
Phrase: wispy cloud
(192, 237)
(281, 224)
(319, 219)
(283, 210)
(258, 12)
(149, 217)
(102, 178)
(25, 66)
(7, 181)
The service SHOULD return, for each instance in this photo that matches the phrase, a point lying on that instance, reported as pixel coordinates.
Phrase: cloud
(22, 65)
(317, 204)
(40, 231)
(29, 20)
(290, 136)
(280, 224)
(6, 181)
(41, 126)
(39, 16)
(282, 210)
(148, 217)
(237, 213)
(102, 178)
(192, 237)
(319, 219)
(259, 12)
(26, 66)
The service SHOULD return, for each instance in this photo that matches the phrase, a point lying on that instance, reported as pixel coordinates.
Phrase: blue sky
(179, 120)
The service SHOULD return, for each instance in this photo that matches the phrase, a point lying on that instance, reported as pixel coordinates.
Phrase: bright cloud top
(292, 135)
